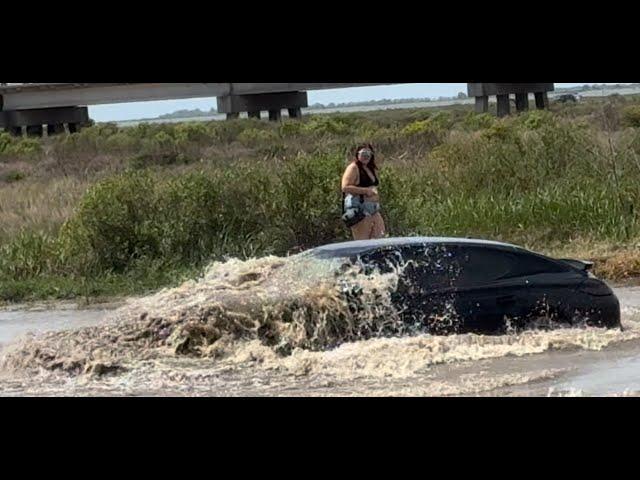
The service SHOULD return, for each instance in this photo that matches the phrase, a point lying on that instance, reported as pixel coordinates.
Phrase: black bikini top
(365, 179)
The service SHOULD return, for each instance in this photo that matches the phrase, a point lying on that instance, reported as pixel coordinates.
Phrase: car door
(425, 293)
(488, 296)
(551, 289)
(501, 290)
(428, 288)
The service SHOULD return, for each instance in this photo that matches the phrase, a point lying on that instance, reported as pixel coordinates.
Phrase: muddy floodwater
(227, 334)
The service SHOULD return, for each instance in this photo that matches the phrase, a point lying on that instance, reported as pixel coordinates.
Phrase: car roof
(347, 249)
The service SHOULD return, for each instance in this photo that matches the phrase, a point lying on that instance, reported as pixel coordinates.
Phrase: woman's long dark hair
(372, 164)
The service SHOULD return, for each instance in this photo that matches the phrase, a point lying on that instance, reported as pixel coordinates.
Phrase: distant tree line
(386, 101)
(316, 106)
(189, 114)
(596, 86)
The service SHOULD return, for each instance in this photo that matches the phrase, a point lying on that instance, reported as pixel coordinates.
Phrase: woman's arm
(349, 181)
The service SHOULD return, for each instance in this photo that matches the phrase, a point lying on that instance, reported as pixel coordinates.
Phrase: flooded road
(18, 321)
(93, 355)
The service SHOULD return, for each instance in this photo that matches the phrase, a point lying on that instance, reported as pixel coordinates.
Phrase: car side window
(420, 266)
(426, 266)
(485, 265)
(439, 266)
(528, 264)
(384, 260)
(434, 266)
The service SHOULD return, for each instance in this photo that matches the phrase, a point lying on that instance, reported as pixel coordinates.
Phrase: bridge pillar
(275, 115)
(55, 129)
(542, 100)
(482, 104)
(35, 131)
(15, 131)
(295, 112)
(33, 121)
(504, 105)
(522, 102)
(482, 92)
(273, 103)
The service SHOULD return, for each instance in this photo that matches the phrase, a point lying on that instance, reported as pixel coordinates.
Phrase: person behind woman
(360, 184)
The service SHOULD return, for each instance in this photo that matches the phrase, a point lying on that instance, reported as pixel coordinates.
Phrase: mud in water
(285, 304)
(289, 327)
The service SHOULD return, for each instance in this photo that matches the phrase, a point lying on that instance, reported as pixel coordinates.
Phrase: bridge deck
(49, 95)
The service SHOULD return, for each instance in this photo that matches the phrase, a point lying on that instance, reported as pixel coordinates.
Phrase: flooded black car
(485, 287)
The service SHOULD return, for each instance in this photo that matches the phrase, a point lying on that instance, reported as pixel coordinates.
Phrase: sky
(133, 111)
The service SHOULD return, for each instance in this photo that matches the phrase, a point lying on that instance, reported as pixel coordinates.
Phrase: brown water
(274, 327)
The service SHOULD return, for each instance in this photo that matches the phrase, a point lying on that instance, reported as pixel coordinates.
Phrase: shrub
(631, 116)
(13, 176)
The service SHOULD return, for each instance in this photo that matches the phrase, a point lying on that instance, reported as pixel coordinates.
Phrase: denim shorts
(354, 202)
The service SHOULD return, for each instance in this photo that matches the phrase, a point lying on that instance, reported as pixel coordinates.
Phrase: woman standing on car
(360, 195)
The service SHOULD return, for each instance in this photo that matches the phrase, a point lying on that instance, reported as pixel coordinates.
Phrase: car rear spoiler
(579, 264)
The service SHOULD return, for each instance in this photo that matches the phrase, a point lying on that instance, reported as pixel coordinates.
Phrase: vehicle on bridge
(474, 286)
(569, 98)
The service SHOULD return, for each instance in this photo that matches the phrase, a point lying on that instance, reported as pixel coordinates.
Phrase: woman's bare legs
(369, 228)
(379, 230)
(362, 231)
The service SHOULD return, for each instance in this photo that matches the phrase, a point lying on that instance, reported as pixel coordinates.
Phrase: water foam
(272, 325)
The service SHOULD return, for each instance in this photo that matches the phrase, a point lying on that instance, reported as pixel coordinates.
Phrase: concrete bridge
(33, 107)
(503, 93)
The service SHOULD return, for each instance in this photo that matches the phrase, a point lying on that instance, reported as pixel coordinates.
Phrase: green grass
(93, 289)
(140, 208)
